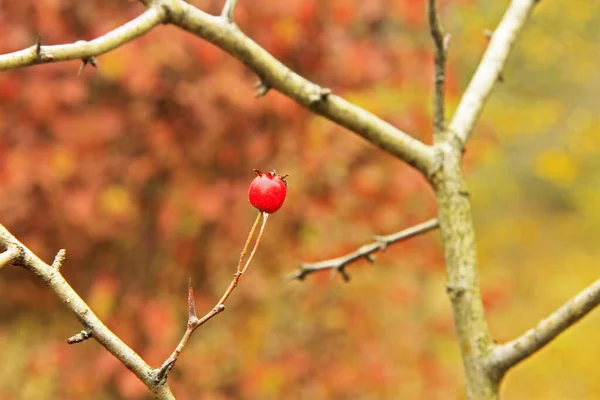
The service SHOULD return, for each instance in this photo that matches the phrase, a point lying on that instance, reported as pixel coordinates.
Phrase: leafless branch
(509, 354)
(490, 68)
(228, 10)
(82, 50)
(275, 75)
(441, 43)
(338, 265)
(51, 276)
(193, 321)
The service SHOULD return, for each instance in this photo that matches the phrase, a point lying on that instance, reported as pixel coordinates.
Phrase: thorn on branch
(38, 49)
(371, 258)
(342, 271)
(80, 337)
(192, 317)
(168, 14)
(85, 61)
(262, 89)
(59, 259)
(447, 38)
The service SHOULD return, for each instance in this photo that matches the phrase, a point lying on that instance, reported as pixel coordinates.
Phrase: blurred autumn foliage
(140, 170)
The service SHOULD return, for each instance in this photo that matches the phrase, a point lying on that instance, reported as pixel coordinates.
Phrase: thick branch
(274, 74)
(56, 282)
(381, 242)
(509, 354)
(458, 238)
(441, 47)
(490, 68)
(83, 50)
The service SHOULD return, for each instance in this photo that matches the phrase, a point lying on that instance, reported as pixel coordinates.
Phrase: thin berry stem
(250, 235)
(265, 216)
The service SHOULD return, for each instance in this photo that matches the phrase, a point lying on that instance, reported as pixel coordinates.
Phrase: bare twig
(277, 76)
(83, 50)
(194, 322)
(507, 355)
(338, 265)
(490, 68)
(52, 277)
(59, 258)
(441, 43)
(228, 10)
(85, 334)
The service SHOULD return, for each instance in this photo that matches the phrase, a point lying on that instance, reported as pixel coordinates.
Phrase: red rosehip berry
(267, 191)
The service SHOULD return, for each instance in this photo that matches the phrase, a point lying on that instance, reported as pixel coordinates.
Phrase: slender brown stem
(193, 321)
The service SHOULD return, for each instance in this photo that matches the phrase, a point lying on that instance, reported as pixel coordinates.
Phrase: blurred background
(140, 169)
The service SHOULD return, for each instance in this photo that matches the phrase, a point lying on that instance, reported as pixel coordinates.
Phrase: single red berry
(267, 191)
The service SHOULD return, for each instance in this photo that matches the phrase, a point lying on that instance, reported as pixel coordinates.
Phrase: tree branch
(507, 355)
(338, 265)
(490, 68)
(83, 50)
(441, 42)
(273, 74)
(52, 277)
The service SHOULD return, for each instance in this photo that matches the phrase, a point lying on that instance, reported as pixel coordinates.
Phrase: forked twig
(194, 322)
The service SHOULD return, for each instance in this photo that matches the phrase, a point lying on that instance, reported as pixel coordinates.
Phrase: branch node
(168, 15)
(59, 259)
(454, 292)
(319, 95)
(371, 258)
(80, 337)
(262, 89)
(12, 255)
(380, 240)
